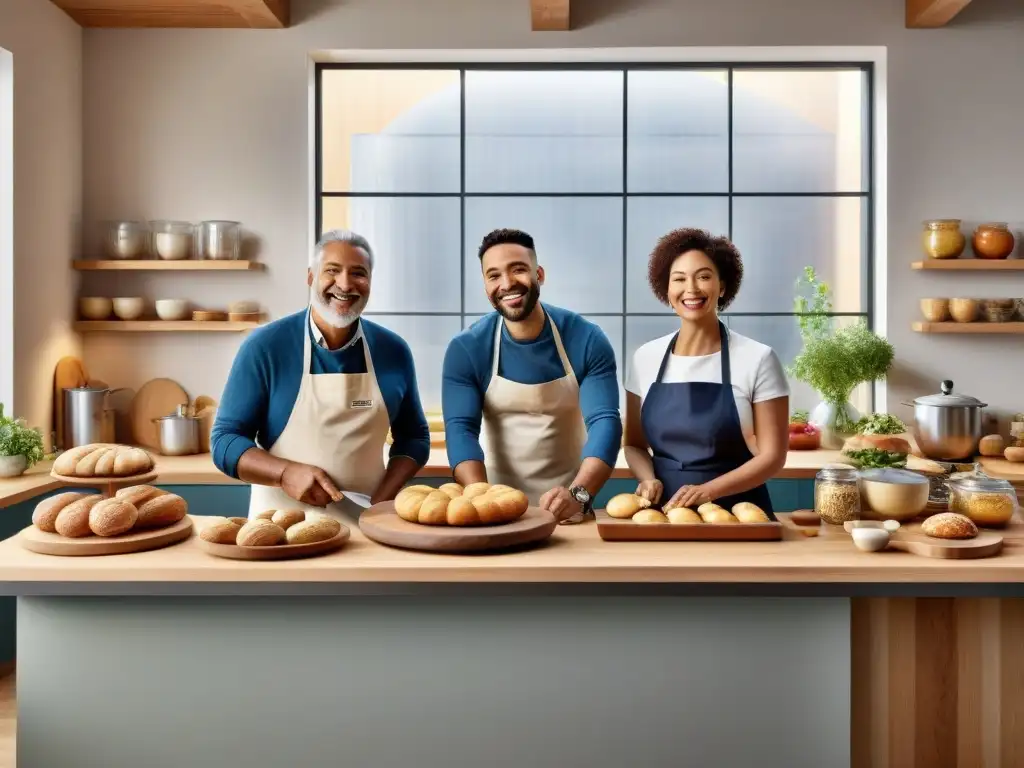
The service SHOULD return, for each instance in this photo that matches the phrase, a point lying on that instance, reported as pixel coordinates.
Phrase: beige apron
(339, 423)
(532, 434)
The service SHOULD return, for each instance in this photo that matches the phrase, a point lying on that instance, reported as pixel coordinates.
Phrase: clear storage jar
(837, 494)
(989, 502)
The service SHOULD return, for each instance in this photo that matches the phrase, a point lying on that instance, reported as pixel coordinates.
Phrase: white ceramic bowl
(95, 307)
(870, 539)
(173, 309)
(129, 308)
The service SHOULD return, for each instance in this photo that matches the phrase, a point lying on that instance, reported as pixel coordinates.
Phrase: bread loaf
(45, 514)
(286, 518)
(625, 505)
(310, 531)
(716, 515)
(747, 512)
(103, 460)
(949, 525)
(266, 514)
(139, 494)
(649, 517)
(476, 504)
(221, 531)
(112, 517)
(681, 515)
(260, 533)
(160, 511)
(73, 520)
(239, 520)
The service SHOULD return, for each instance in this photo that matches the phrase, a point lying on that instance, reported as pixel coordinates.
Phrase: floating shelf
(147, 326)
(971, 265)
(975, 328)
(185, 265)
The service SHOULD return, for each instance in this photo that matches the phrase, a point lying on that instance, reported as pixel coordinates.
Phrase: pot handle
(946, 386)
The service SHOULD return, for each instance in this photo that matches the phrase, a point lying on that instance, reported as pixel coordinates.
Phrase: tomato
(805, 441)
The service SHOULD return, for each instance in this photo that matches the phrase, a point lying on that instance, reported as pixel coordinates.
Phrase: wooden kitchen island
(797, 653)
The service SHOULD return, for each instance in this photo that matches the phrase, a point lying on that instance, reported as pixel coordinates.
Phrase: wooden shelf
(975, 328)
(185, 265)
(971, 265)
(147, 326)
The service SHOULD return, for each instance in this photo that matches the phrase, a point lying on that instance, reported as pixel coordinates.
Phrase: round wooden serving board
(44, 543)
(106, 482)
(277, 551)
(382, 524)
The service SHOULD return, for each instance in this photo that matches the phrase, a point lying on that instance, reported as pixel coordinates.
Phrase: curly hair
(723, 254)
(505, 237)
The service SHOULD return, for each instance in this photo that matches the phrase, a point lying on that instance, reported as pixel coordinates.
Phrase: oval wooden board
(278, 551)
(104, 482)
(382, 524)
(910, 539)
(44, 543)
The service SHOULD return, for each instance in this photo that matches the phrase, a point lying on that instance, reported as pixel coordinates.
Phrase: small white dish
(173, 309)
(129, 308)
(870, 539)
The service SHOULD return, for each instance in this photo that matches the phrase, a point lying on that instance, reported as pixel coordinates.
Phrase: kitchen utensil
(68, 373)
(208, 314)
(155, 398)
(88, 417)
(948, 426)
(35, 540)
(942, 239)
(964, 310)
(129, 308)
(935, 310)
(219, 240)
(179, 433)
(172, 240)
(127, 240)
(382, 524)
(95, 307)
(172, 309)
(615, 529)
(276, 551)
(992, 241)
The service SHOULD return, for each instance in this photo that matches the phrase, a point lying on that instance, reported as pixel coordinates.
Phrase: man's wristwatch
(582, 497)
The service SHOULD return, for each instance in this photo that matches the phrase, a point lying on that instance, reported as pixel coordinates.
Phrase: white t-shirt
(756, 371)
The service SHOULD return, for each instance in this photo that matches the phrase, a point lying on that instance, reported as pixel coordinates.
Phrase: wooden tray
(382, 524)
(277, 551)
(910, 539)
(108, 484)
(614, 529)
(44, 543)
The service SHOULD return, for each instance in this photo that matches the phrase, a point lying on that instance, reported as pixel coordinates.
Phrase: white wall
(202, 123)
(47, 56)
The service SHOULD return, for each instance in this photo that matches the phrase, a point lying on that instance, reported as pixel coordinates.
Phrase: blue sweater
(264, 383)
(467, 372)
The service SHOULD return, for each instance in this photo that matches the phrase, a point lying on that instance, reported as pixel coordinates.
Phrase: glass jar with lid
(943, 239)
(837, 494)
(989, 502)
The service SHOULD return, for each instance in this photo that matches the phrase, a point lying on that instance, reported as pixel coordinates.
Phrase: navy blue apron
(694, 432)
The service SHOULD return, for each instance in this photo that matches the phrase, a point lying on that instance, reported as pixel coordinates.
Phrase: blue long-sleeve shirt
(467, 372)
(264, 382)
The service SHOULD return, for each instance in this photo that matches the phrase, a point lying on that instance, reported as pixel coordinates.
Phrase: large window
(597, 162)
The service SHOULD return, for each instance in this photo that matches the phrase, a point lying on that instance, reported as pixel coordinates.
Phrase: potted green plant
(20, 446)
(835, 362)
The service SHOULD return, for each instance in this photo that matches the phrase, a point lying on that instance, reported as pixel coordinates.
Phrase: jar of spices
(837, 494)
(943, 239)
(989, 502)
(992, 241)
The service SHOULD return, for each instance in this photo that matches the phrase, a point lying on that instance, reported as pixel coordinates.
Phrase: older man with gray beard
(310, 398)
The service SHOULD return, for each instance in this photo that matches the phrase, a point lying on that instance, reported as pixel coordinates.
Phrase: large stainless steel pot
(87, 419)
(179, 433)
(947, 426)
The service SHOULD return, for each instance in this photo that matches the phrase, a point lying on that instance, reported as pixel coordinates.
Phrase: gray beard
(331, 316)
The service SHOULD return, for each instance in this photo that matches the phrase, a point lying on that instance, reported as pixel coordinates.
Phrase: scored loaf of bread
(949, 525)
(103, 460)
(451, 504)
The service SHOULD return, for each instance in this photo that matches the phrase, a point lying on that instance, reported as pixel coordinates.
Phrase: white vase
(12, 466)
(824, 418)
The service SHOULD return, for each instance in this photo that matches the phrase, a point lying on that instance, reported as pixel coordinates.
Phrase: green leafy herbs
(799, 417)
(880, 424)
(812, 306)
(18, 440)
(873, 458)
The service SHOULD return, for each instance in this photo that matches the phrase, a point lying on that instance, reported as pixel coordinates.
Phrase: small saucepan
(948, 426)
(179, 433)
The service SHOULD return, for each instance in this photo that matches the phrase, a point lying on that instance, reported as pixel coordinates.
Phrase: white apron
(532, 434)
(339, 423)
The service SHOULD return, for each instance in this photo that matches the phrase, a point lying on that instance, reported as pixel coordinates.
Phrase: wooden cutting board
(155, 398)
(68, 374)
(909, 538)
(615, 529)
(44, 543)
(382, 524)
(278, 551)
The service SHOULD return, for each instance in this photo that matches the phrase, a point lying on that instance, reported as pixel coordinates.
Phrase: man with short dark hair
(535, 385)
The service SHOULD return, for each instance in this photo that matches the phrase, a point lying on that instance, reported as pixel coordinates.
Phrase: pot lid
(972, 482)
(948, 399)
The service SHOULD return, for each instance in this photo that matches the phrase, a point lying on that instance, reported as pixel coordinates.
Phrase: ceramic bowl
(173, 309)
(870, 539)
(95, 307)
(130, 308)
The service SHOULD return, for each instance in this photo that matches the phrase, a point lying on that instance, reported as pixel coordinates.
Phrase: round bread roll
(45, 514)
(1013, 453)
(454, 490)
(161, 511)
(650, 517)
(310, 531)
(260, 533)
(73, 520)
(625, 505)
(286, 518)
(478, 504)
(747, 512)
(139, 494)
(682, 515)
(112, 517)
(991, 445)
(221, 531)
(716, 515)
(949, 525)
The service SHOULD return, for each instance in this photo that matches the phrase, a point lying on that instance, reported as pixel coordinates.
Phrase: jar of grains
(989, 502)
(837, 494)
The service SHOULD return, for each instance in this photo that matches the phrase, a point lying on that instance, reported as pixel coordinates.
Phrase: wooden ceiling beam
(180, 14)
(929, 14)
(549, 15)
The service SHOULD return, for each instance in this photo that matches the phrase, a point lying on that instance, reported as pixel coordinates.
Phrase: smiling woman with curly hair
(697, 397)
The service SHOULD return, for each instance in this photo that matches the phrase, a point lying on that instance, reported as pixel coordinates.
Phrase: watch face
(582, 495)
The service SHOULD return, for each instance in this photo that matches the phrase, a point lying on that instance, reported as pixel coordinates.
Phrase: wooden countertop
(574, 555)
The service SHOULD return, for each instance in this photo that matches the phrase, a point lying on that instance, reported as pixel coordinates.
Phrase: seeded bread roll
(309, 531)
(221, 531)
(112, 517)
(161, 511)
(949, 525)
(45, 514)
(73, 520)
(259, 533)
(286, 518)
(139, 494)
